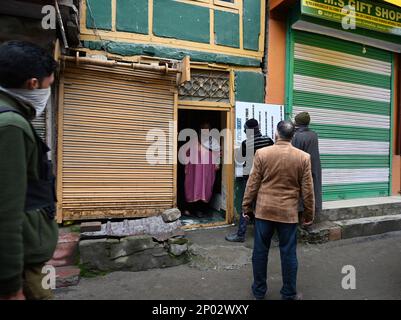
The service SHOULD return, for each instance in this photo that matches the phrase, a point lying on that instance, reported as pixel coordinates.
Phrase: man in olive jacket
(279, 174)
(28, 231)
(307, 140)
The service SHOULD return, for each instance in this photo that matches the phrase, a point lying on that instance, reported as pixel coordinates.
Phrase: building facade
(151, 66)
(346, 75)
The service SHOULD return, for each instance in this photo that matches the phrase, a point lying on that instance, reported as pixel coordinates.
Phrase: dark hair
(21, 61)
(286, 130)
(251, 124)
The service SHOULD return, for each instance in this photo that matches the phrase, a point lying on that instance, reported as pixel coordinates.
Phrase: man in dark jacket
(255, 141)
(28, 231)
(307, 140)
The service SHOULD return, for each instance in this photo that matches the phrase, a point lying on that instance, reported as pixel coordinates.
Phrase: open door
(219, 209)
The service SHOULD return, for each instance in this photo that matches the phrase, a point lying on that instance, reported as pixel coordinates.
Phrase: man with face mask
(28, 231)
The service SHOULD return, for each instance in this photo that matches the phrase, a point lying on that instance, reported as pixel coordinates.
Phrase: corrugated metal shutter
(346, 88)
(106, 116)
(40, 125)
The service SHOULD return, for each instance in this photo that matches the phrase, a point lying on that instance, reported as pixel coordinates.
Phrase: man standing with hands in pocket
(280, 174)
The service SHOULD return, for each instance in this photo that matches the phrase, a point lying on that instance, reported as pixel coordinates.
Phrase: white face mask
(37, 97)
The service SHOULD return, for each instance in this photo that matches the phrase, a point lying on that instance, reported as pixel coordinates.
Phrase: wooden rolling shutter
(346, 88)
(105, 118)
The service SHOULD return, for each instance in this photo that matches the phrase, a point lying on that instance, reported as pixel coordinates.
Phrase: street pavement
(223, 271)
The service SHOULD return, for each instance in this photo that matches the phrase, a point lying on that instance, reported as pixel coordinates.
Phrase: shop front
(121, 126)
(347, 79)
(115, 141)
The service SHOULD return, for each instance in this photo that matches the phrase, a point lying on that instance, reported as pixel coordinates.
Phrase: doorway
(203, 212)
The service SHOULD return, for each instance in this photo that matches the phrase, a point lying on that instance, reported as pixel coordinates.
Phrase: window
(206, 1)
(227, 3)
(234, 4)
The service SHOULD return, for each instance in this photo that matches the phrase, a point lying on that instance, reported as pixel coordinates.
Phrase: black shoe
(200, 214)
(235, 238)
(297, 297)
(259, 298)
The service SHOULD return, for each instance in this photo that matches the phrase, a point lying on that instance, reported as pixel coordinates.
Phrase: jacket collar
(18, 103)
(282, 143)
(302, 127)
(258, 134)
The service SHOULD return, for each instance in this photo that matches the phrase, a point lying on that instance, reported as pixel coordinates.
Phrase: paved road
(223, 271)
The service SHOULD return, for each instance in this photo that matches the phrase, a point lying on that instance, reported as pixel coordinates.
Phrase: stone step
(359, 208)
(350, 228)
(369, 226)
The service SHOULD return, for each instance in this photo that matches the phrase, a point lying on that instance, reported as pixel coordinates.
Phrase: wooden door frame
(229, 111)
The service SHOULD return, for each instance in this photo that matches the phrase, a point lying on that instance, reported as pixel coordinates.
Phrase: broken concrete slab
(153, 226)
(171, 215)
(67, 276)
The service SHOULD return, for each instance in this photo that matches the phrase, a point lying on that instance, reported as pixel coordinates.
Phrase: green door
(346, 88)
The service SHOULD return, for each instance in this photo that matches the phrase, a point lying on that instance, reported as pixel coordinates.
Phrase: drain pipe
(113, 63)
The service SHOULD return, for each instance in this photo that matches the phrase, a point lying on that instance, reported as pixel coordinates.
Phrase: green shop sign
(368, 15)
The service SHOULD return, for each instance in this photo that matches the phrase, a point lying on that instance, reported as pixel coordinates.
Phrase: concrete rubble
(152, 226)
(136, 245)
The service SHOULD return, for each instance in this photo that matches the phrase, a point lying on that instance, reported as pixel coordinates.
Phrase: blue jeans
(287, 234)
(243, 223)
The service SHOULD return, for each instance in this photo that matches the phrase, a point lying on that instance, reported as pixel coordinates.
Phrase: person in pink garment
(200, 172)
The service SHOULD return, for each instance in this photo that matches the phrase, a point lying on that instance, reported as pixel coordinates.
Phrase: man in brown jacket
(279, 175)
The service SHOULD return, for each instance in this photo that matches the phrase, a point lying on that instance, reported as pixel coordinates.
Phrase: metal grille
(206, 86)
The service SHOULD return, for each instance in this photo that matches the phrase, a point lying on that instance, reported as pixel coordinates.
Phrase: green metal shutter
(346, 88)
